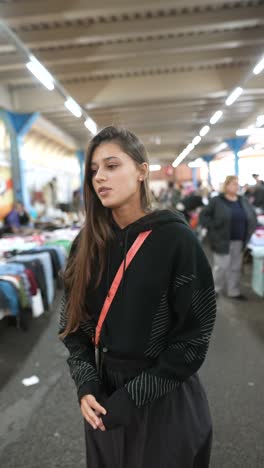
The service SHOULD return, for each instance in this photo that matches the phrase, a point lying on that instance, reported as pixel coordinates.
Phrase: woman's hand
(91, 410)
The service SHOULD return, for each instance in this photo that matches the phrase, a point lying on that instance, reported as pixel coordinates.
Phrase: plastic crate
(258, 272)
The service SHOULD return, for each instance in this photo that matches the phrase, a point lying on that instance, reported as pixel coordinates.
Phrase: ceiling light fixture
(204, 130)
(217, 116)
(260, 120)
(40, 73)
(196, 163)
(73, 107)
(196, 140)
(183, 155)
(179, 159)
(91, 125)
(249, 131)
(190, 147)
(220, 148)
(154, 167)
(259, 67)
(234, 96)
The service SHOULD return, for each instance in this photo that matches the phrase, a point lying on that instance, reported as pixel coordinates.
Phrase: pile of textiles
(29, 274)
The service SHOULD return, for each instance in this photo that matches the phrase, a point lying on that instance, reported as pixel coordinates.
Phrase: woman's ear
(143, 169)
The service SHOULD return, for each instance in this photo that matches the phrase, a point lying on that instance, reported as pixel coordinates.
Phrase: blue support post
(208, 158)
(194, 177)
(235, 144)
(80, 154)
(17, 126)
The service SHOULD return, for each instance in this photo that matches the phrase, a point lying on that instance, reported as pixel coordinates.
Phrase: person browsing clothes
(230, 221)
(136, 316)
(17, 220)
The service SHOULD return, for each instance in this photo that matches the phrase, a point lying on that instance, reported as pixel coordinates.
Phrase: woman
(143, 404)
(230, 221)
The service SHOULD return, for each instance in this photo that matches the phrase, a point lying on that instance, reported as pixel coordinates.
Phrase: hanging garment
(47, 266)
(11, 295)
(32, 281)
(37, 304)
(53, 257)
(61, 252)
(38, 270)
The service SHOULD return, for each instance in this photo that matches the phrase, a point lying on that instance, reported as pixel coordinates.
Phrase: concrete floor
(41, 426)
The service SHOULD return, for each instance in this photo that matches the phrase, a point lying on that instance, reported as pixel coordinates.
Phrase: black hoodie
(164, 310)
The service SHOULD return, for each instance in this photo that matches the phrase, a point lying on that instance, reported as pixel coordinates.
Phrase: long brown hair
(90, 252)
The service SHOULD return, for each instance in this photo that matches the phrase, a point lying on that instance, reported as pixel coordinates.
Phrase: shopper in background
(171, 196)
(141, 398)
(258, 193)
(17, 220)
(230, 221)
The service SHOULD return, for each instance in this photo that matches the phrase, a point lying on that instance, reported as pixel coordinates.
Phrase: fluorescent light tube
(234, 96)
(73, 107)
(196, 140)
(40, 73)
(259, 67)
(154, 167)
(220, 147)
(217, 116)
(250, 131)
(179, 159)
(91, 125)
(196, 163)
(260, 121)
(190, 147)
(183, 155)
(204, 130)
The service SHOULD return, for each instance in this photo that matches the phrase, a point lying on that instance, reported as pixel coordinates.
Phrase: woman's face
(233, 187)
(116, 178)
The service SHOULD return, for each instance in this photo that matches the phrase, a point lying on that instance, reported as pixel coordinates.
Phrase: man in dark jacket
(230, 221)
(258, 192)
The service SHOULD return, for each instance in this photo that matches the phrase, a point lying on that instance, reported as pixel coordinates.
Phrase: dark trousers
(174, 431)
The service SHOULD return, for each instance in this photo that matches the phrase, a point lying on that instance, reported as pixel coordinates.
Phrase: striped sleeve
(185, 351)
(81, 355)
(183, 340)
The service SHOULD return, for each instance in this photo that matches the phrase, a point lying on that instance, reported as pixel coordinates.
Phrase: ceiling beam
(223, 19)
(233, 40)
(34, 12)
(155, 63)
(208, 83)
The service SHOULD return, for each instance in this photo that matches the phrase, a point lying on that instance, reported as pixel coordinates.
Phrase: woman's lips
(104, 191)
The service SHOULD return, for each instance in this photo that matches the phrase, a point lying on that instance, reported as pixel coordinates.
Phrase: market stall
(256, 247)
(29, 272)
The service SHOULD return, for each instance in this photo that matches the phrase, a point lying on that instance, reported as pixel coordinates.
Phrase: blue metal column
(235, 144)
(80, 154)
(208, 158)
(194, 177)
(17, 126)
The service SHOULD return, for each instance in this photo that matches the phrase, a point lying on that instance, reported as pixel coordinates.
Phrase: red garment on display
(32, 282)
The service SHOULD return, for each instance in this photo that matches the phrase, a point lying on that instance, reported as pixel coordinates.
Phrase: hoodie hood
(148, 222)
(151, 221)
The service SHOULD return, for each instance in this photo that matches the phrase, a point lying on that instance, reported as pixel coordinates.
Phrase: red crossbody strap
(116, 282)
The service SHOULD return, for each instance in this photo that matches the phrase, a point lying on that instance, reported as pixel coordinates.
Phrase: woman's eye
(112, 166)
